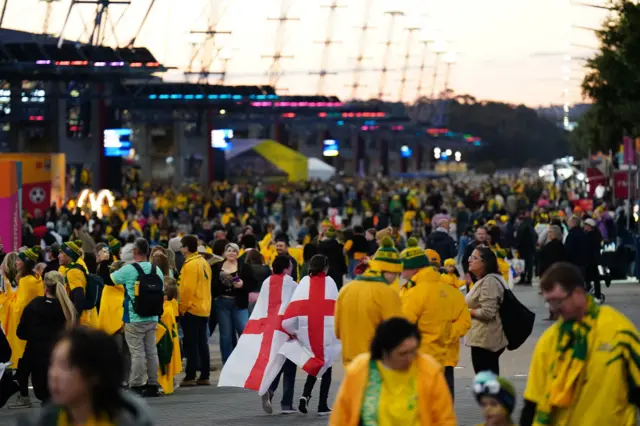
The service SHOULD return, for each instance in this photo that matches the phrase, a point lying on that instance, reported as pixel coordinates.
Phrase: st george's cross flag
(256, 361)
(309, 318)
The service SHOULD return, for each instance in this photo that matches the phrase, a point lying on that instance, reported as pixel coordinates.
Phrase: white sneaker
(288, 411)
(599, 301)
(266, 403)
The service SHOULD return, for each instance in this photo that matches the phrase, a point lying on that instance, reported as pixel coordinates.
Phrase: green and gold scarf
(369, 415)
(568, 363)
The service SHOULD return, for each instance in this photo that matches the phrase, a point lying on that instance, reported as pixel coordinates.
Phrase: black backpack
(149, 293)
(92, 290)
(517, 319)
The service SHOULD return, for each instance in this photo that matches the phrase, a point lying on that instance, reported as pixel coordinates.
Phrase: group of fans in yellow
(400, 342)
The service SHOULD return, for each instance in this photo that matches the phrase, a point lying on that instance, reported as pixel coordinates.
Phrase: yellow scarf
(574, 341)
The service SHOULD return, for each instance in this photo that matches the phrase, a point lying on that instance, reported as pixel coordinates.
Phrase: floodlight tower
(275, 67)
(364, 29)
(97, 35)
(328, 41)
(47, 15)
(208, 47)
(393, 14)
(225, 55)
(449, 59)
(423, 66)
(439, 48)
(407, 57)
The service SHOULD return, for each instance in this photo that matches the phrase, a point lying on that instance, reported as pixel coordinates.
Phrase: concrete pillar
(178, 150)
(15, 104)
(144, 150)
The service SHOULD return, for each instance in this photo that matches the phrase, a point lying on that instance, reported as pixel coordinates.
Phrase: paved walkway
(229, 406)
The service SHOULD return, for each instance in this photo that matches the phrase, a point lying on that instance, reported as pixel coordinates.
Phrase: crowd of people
(403, 270)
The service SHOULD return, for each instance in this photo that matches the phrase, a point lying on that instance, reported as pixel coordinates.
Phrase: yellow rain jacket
(428, 304)
(363, 304)
(460, 319)
(111, 309)
(29, 288)
(194, 286)
(409, 215)
(452, 279)
(435, 407)
(6, 303)
(264, 244)
(168, 324)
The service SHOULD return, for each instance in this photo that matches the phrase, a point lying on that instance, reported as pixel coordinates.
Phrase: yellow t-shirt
(603, 397)
(398, 403)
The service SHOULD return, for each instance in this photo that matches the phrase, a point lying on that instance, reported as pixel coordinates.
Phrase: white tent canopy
(318, 169)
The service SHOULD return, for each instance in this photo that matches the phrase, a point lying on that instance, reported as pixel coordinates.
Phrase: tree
(513, 136)
(612, 82)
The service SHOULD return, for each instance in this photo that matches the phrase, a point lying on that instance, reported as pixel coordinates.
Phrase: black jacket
(551, 253)
(40, 325)
(575, 247)
(359, 245)
(241, 295)
(255, 276)
(526, 238)
(594, 246)
(443, 244)
(337, 263)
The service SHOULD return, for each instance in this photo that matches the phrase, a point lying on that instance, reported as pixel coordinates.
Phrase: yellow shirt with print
(75, 278)
(603, 398)
(398, 404)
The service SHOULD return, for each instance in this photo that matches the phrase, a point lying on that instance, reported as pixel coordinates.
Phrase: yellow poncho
(174, 368)
(29, 288)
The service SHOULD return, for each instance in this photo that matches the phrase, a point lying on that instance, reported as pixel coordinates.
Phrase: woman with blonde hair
(42, 321)
(8, 281)
(29, 287)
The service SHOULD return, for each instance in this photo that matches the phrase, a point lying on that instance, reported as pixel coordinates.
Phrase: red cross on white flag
(255, 361)
(310, 318)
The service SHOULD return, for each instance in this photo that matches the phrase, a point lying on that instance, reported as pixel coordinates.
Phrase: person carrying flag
(309, 318)
(256, 363)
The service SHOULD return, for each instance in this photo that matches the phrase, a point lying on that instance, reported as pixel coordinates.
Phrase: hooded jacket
(442, 243)
(134, 412)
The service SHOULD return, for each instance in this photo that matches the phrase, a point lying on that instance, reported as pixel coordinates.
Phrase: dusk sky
(507, 50)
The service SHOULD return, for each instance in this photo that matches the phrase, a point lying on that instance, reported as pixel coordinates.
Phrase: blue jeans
(230, 320)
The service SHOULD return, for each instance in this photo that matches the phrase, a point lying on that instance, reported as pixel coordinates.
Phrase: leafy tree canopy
(612, 82)
(514, 136)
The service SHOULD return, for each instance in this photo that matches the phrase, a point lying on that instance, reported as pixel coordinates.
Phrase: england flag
(256, 361)
(309, 318)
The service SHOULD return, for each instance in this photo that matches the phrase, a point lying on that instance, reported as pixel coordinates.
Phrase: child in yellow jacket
(451, 276)
(167, 340)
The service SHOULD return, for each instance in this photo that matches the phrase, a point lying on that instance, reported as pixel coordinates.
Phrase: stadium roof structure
(34, 56)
